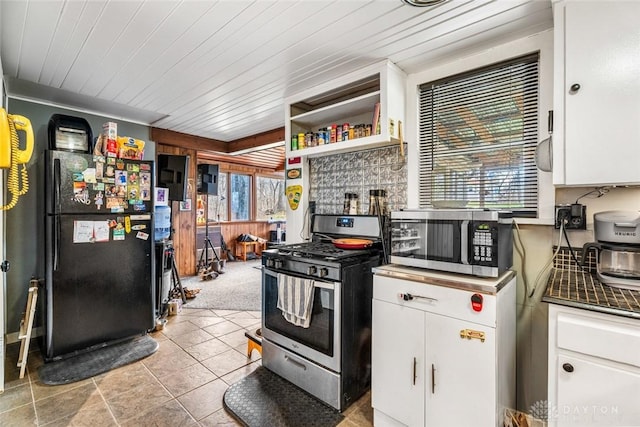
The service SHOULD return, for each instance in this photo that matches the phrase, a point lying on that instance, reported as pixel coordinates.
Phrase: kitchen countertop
(569, 285)
(485, 285)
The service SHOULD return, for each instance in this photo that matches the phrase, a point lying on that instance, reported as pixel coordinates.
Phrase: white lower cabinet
(594, 369)
(398, 363)
(426, 371)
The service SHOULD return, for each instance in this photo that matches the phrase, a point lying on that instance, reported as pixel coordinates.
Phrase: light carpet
(239, 288)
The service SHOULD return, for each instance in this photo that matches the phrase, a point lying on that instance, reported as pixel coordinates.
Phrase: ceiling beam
(183, 140)
(260, 139)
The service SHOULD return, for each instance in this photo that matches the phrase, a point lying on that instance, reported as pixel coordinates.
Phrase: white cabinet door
(461, 383)
(398, 362)
(601, 121)
(594, 394)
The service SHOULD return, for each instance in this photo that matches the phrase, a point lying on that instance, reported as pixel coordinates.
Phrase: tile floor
(201, 353)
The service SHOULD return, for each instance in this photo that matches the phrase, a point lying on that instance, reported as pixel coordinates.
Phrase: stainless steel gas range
(331, 358)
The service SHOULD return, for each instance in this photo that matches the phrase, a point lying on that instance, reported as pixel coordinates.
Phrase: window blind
(478, 133)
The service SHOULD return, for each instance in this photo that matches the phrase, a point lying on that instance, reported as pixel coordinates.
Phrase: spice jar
(354, 205)
(351, 203)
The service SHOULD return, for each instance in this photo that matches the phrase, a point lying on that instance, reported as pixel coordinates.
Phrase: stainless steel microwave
(476, 242)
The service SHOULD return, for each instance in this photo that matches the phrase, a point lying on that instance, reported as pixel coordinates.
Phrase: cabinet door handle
(574, 88)
(408, 297)
(568, 367)
(433, 378)
(414, 371)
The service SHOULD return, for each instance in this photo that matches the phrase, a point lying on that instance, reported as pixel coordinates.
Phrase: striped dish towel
(295, 299)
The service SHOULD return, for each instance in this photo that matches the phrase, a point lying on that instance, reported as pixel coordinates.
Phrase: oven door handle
(316, 283)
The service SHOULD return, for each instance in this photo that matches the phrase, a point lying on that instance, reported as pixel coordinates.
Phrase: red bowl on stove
(352, 243)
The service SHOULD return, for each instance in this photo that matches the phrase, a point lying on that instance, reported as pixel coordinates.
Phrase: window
(234, 199)
(217, 206)
(477, 135)
(270, 198)
(240, 197)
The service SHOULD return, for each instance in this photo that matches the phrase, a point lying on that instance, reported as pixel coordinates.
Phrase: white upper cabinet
(351, 99)
(596, 93)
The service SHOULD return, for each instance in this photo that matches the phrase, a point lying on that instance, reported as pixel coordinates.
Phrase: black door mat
(98, 361)
(263, 398)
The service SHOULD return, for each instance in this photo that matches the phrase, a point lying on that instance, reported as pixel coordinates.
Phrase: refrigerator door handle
(56, 249)
(56, 185)
(56, 210)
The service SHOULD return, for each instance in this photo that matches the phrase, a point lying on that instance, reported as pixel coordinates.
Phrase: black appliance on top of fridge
(99, 251)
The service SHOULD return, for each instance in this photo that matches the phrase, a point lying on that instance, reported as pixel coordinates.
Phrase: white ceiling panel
(73, 48)
(222, 69)
(108, 29)
(133, 38)
(61, 37)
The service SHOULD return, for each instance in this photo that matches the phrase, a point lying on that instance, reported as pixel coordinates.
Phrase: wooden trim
(186, 141)
(235, 167)
(204, 145)
(268, 137)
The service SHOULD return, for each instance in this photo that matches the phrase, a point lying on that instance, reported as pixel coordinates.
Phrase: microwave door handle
(464, 242)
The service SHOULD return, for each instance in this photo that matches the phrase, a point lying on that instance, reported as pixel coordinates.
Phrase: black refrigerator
(99, 251)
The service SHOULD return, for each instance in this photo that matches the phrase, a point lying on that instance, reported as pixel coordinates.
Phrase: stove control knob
(270, 262)
(311, 270)
(323, 272)
(278, 263)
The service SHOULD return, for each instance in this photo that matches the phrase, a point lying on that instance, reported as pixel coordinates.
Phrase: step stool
(254, 342)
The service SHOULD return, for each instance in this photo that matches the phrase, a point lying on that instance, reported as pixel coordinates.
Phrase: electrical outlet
(574, 216)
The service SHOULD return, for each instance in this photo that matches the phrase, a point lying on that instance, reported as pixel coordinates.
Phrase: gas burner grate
(318, 250)
(568, 284)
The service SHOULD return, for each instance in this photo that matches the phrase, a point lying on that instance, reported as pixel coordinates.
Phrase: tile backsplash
(330, 177)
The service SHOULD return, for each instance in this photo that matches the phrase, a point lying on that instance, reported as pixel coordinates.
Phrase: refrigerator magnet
(99, 170)
(121, 177)
(142, 235)
(133, 178)
(89, 175)
(118, 232)
(133, 193)
(99, 200)
(140, 218)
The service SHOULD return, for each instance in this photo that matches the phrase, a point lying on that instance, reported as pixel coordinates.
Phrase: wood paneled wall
(187, 241)
(230, 231)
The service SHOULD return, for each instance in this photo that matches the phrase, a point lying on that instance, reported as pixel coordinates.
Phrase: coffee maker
(617, 247)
